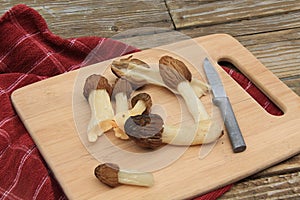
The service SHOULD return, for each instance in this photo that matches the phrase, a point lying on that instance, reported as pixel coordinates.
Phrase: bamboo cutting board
(56, 115)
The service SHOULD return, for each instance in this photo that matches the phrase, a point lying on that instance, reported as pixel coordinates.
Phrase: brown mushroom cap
(122, 86)
(96, 82)
(170, 76)
(145, 130)
(176, 64)
(107, 173)
(144, 97)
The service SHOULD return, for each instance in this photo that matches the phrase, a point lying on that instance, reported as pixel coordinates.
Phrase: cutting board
(56, 115)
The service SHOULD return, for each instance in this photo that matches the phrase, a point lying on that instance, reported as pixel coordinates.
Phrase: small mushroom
(121, 93)
(111, 175)
(139, 73)
(149, 131)
(97, 91)
(141, 103)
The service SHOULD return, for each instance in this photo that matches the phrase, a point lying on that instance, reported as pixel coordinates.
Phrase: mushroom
(199, 87)
(97, 91)
(141, 103)
(121, 93)
(149, 131)
(205, 129)
(139, 73)
(111, 175)
(175, 78)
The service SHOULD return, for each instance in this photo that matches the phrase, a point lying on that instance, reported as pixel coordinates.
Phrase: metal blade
(214, 79)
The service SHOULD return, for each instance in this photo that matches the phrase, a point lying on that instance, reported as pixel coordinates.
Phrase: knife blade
(221, 100)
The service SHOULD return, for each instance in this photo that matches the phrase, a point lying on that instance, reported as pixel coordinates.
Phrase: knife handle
(233, 129)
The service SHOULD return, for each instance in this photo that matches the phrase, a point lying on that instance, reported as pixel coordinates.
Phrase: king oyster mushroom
(97, 91)
(111, 175)
(140, 73)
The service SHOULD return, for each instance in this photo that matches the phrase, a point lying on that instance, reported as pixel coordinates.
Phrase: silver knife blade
(221, 100)
(214, 79)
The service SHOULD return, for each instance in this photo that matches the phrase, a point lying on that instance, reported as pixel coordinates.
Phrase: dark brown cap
(107, 173)
(95, 82)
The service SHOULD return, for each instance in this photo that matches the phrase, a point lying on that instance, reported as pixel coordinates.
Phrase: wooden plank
(251, 26)
(279, 51)
(73, 165)
(192, 13)
(293, 83)
(291, 165)
(98, 18)
(285, 186)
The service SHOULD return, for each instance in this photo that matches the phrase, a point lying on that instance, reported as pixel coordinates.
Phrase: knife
(221, 100)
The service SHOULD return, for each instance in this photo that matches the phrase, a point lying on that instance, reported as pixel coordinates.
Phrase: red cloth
(29, 52)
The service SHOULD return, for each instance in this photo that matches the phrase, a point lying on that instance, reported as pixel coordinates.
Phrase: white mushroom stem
(121, 102)
(121, 114)
(135, 178)
(102, 114)
(205, 132)
(193, 103)
(139, 74)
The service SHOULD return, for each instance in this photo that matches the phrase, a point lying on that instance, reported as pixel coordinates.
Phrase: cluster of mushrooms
(136, 122)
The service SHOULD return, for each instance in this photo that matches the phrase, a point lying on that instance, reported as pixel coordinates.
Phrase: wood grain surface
(272, 35)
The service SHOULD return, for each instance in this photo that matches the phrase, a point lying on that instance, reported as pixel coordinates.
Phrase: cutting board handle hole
(267, 104)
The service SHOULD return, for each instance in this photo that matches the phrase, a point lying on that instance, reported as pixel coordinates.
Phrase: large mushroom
(174, 76)
(140, 73)
(149, 131)
(111, 175)
(97, 91)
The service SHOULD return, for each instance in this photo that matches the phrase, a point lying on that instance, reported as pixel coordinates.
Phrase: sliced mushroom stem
(193, 103)
(110, 174)
(136, 178)
(102, 114)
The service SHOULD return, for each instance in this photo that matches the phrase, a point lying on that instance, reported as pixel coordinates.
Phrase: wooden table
(269, 29)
